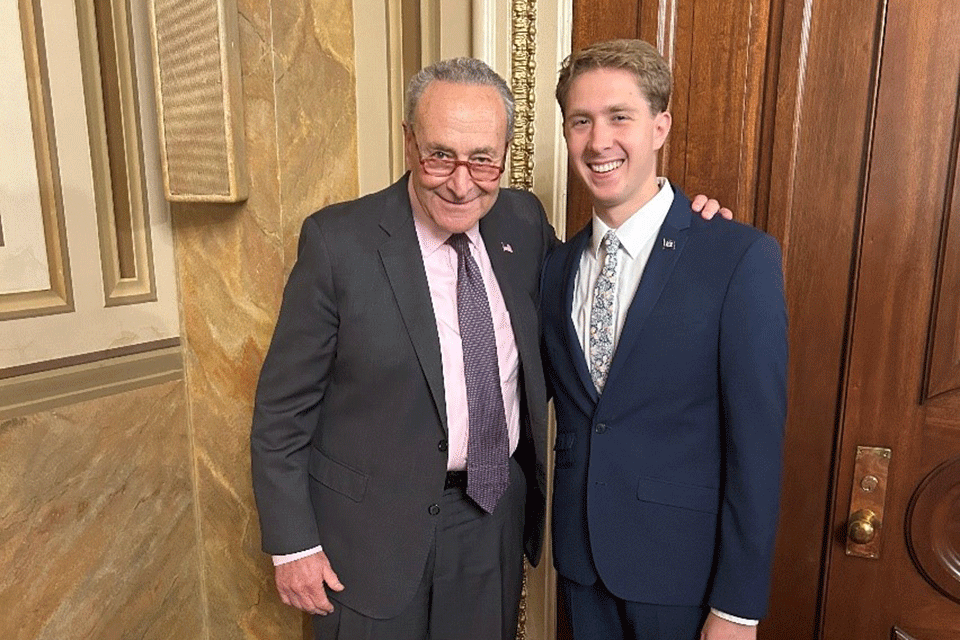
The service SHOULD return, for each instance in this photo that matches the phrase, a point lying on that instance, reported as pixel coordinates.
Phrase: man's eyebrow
(488, 151)
(433, 148)
(613, 108)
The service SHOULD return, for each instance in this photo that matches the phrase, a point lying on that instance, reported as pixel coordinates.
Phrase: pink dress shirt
(440, 261)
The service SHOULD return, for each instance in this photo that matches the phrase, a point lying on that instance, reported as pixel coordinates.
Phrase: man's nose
(600, 137)
(460, 181)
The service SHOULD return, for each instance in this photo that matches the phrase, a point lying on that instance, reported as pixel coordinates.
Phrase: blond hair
(636, 56)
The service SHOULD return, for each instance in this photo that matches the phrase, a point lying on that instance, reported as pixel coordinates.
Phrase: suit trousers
(471, 583)
(595, 613)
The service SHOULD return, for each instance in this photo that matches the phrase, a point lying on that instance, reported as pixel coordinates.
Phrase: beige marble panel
(316, 109)
(98, 534)
(232, 261)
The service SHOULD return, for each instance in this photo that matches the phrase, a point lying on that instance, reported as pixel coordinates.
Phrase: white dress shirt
(637, 236)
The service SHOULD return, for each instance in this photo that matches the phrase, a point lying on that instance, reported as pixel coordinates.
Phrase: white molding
(374, 40)
(491, 34)
(554, 35)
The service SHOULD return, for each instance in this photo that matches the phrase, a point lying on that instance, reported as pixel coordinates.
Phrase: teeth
(606, 166)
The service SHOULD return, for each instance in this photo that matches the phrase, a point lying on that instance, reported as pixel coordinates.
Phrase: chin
(458, 221)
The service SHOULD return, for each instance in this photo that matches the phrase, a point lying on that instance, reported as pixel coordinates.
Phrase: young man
(666, 352)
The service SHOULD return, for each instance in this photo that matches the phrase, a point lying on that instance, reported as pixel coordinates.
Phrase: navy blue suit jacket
(667, 484)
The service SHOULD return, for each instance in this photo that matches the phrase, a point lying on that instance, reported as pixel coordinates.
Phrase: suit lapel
(571, 266)
(666, 251)
(403, 263)
(521, 307)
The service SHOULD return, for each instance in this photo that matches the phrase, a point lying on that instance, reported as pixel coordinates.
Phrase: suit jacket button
(442, 445)
(600, 428)
(434, 509)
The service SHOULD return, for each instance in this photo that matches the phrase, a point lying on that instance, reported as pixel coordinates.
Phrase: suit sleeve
(753, 375)
(292, 383)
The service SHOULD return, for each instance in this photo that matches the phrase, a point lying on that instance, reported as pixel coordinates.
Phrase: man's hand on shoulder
(716, 628)
(708, 207)
(301, 583)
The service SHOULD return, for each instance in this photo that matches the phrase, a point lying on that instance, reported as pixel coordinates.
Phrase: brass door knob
(863, 526)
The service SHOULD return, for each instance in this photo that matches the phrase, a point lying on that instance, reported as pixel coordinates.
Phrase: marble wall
(97, 524)
(132, 516)
(300, 123)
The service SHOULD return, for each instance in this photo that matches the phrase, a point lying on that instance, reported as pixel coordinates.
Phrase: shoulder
(560, 256)
(729, 236)
(368, 207)
(518, 205)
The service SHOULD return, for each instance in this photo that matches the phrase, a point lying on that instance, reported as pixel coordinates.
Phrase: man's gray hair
(468, 71)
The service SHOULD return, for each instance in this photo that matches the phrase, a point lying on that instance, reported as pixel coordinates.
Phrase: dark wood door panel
(915, 633)
(719, 54)
(908, 182)
(818, 164)
(933, 528)
(945, 357)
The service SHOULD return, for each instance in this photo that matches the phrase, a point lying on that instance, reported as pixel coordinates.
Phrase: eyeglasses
(444, 167)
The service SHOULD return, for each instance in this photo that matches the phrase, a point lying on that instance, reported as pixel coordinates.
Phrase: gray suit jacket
(349, 430)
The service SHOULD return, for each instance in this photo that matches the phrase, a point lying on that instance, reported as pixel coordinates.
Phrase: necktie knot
(611, 242)
(459, 242)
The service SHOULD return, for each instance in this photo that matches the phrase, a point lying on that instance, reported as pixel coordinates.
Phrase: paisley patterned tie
(601, 314)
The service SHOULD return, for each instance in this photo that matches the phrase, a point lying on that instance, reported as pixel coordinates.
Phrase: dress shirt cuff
(290, 557)
(747, 622)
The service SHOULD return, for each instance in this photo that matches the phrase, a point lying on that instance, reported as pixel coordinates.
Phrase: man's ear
(661, 128)
(409, 149)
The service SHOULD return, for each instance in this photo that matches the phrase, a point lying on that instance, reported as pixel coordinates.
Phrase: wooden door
(902, 387)
(837, 124)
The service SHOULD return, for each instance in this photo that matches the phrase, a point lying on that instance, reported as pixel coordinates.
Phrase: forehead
(461, 116)
(601, 88)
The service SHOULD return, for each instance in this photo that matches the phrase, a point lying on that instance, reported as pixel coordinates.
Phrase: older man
(398, 439)
(406, 350)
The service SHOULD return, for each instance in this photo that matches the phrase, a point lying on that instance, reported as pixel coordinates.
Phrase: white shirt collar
(642, 225)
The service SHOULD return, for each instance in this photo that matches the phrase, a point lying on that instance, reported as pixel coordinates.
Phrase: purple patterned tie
(487, 445)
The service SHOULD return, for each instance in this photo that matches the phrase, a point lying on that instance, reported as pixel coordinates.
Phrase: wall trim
(41, 386)
(540, 39)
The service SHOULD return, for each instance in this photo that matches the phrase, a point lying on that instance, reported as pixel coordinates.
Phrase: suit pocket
(564, 449)
(677, 494)
(337, 477)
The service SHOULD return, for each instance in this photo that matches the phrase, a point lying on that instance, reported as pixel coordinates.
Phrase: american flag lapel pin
(669, 244)
(506, 247)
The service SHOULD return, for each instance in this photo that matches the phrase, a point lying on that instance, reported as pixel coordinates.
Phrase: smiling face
(612, 141)
(458, 122)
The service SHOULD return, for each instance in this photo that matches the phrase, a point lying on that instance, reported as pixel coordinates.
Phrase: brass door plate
(865, 518)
